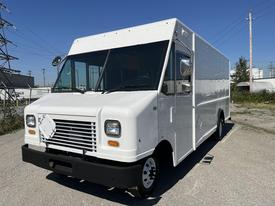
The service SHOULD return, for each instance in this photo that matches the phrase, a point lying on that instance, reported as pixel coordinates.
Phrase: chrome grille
(74, 134)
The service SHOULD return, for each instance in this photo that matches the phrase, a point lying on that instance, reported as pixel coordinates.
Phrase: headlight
(30, 121)
(112, 128)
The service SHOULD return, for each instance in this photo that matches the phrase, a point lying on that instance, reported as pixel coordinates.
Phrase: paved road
(242, 172)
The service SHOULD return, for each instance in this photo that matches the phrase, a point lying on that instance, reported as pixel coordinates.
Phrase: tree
(242, 72)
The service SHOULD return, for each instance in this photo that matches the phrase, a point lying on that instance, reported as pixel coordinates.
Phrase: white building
(257, 73)
(265, 84)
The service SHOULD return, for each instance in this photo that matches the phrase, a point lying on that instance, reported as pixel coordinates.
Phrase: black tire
(145, 187)
(220, 128)
(59, 175)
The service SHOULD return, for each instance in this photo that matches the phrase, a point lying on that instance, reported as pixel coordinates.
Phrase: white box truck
(125, 100)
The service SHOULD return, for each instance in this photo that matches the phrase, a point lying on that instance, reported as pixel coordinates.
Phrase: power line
(230, 29)
(36, 44)
(230, 36)
(231, 26)
(264, 14)
(41, 39)
(27, 51)
(27, 47)
(31, 47)
(259, 10)
(227, 31)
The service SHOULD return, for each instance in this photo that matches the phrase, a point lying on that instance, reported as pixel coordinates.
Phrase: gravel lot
(239, 170)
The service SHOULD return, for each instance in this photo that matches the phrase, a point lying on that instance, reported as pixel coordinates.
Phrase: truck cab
(122, 100)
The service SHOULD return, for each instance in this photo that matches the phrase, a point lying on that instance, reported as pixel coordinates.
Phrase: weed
(11, 123)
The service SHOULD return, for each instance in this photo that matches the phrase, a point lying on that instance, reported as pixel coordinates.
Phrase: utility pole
(271, 73)
(30, 73)
(250, 19)
(44, 79)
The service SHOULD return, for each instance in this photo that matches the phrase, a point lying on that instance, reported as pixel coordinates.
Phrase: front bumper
(125, 176)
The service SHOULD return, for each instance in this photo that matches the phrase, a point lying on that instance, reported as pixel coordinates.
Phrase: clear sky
(45, 29)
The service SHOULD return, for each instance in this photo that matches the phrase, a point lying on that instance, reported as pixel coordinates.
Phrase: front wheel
(148, 178)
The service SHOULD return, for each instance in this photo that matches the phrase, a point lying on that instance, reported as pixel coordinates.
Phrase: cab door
(166, 103)
(183, 101)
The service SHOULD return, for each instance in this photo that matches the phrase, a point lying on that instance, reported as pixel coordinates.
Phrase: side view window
(168, 86)
(183, 73)
(64, 81)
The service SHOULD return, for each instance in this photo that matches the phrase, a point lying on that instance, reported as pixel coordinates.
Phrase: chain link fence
(13, 101)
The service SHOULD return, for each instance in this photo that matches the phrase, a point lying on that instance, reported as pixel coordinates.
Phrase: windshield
(129, 68)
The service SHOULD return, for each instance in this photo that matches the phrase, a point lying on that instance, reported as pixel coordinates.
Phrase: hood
(88, 104)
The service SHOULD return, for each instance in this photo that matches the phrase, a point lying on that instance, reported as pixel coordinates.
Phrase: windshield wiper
(113, 90)
(125, 88)
(79, 90)
(103, 70)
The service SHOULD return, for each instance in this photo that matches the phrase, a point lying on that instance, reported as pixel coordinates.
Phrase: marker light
(113, 143)
(31, 131)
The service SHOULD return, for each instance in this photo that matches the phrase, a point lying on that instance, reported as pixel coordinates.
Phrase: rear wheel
(148, 178)
(220, 128)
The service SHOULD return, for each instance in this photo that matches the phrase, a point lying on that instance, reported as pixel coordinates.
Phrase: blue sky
(47, 28)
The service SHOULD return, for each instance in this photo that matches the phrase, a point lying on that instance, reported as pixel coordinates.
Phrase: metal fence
(13, 100)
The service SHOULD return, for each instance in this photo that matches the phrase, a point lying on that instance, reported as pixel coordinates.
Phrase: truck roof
(142, 34)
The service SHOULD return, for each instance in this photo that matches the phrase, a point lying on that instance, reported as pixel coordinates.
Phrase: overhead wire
(227, 28)
(51, 47)
(228, 32)
(232, 30)
(28, 51)
(34, 43)
(230, 36)
(260, 11)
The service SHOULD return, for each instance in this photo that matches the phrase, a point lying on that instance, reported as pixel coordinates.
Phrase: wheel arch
(164, 151)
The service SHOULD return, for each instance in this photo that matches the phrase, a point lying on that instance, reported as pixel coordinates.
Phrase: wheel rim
(149, 173)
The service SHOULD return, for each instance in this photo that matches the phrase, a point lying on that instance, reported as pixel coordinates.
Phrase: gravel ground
(239, 170)
(263, 119)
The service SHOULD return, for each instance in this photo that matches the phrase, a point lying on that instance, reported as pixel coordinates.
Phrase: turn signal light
(31, 131)
(113, 143)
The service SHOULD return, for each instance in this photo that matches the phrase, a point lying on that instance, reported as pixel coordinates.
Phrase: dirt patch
(256, 116)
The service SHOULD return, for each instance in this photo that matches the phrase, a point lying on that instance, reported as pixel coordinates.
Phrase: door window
(183, 73)
(168, 86)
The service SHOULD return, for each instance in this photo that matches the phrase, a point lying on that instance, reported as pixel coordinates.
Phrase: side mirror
(185, 67)
(185, 62)
(56, 61)
(164, 88)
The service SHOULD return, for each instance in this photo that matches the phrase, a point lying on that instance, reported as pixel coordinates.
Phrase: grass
(253, 98)
(11, 123)
(259, 100)
(270, 106)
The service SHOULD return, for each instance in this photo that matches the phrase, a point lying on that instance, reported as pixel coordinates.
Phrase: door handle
(171, 114)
